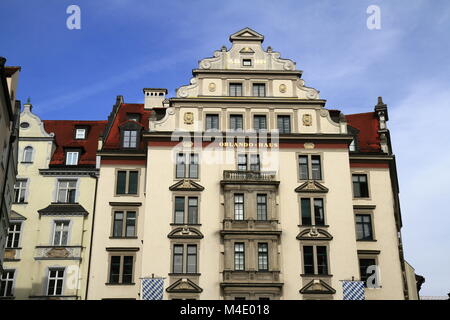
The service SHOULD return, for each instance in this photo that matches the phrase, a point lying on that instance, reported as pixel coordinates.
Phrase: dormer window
(129, 138)
(72, 157)
(80, 133)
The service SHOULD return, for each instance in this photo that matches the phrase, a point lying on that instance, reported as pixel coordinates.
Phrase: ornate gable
(186, 185)
(317, 287)
(185, 233)
(184, 286)
(311, 186)
(314, 234)
(246, 34)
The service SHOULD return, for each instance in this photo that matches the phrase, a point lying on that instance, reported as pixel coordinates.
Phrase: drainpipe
(95, 176)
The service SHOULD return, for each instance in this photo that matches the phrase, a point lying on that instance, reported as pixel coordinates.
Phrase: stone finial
(28, 106)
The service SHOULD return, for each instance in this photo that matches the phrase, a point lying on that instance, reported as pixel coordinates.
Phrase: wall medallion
(307, 120)
(212, 87)
(282, 88)
(188, 118)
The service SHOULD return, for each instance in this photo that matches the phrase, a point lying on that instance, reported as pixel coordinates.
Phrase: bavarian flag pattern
(353, 290)
(152, 289)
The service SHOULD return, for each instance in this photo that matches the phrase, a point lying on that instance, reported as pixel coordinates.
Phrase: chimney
(154, 97)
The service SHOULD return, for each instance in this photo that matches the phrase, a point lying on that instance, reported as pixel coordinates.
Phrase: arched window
(28, 154)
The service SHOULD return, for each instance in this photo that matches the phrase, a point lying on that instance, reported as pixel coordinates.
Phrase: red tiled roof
(64, 131)
(112, 141)
(367, 124)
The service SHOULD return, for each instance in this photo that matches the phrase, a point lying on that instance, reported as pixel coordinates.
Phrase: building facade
(9, 118)
(48, 244)
(244, 186)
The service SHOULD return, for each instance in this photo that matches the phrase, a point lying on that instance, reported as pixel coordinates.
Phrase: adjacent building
(9, 118)
(50, 225)
(244, 186)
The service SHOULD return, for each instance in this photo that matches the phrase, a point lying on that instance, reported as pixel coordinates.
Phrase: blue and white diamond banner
(152, 289)
(353, 290)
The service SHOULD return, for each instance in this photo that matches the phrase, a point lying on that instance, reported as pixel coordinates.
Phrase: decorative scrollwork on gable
(185, 233)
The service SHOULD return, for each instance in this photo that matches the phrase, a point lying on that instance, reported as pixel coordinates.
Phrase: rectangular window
(310, 166)
(61, 233)
(178, 258)
(239, 256)
(187, 166)
(124, 224)
(322, 261)
(66, 191)
(239, 206)
(364, 227)
(246, 62)
(191, 259)
(259, 90)
(352, 146)
(263, 257)
(319, 216)
(316, 168)
(212, 122)
(192, 210)
(253, 165)
(180, 216)
(363, 265)
(7, 283)
(127, 182)
(13, 235)
(129, 138)
(261, 207)
(236, 122)
(55, 282)
(20, 189)
(284, 124)
(80, 134)
(306, 211)
(303, 167)
(259, 122)
(121, 269)
(308, 259)
(360, 186)
(235, 89)
(242, 162)
(72, 158)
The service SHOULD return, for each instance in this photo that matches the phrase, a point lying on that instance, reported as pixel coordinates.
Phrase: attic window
(246, 62)
(72, 157)
(352, 146)
(80, 133)
(129, 138)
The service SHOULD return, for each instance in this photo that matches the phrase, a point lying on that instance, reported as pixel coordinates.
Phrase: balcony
(250, 226)
(249, 177)
(248, 277)
(12, 254)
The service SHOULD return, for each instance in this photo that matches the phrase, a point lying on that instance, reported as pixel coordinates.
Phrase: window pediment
(184, 286)
(186, 185)
(311, 186)
(185, 233)
(314, 234)
(317, 286)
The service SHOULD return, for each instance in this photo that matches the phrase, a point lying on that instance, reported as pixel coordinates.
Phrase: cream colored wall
(411, 281)
(102, 233)
(31, 274)
(380, 193)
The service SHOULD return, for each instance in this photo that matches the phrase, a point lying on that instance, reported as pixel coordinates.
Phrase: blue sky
(126, 45)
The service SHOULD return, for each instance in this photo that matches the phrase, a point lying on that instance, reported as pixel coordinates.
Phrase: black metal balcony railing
(237, 175)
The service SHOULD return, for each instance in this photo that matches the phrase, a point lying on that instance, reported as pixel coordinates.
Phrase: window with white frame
(186, 210)
(239, 206)
(72, 158)
(261, 206)
(187, 165)
(20, 190)
(310, 167)
(66, 191)
(259, 90)
(263, 257)
(239, 256)
(28, 155)
(12, 241)
(184, 258)
(7, 283)
(80, 133)
(61, 233)
(249, 162)
(55, 281)
(130, 138)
